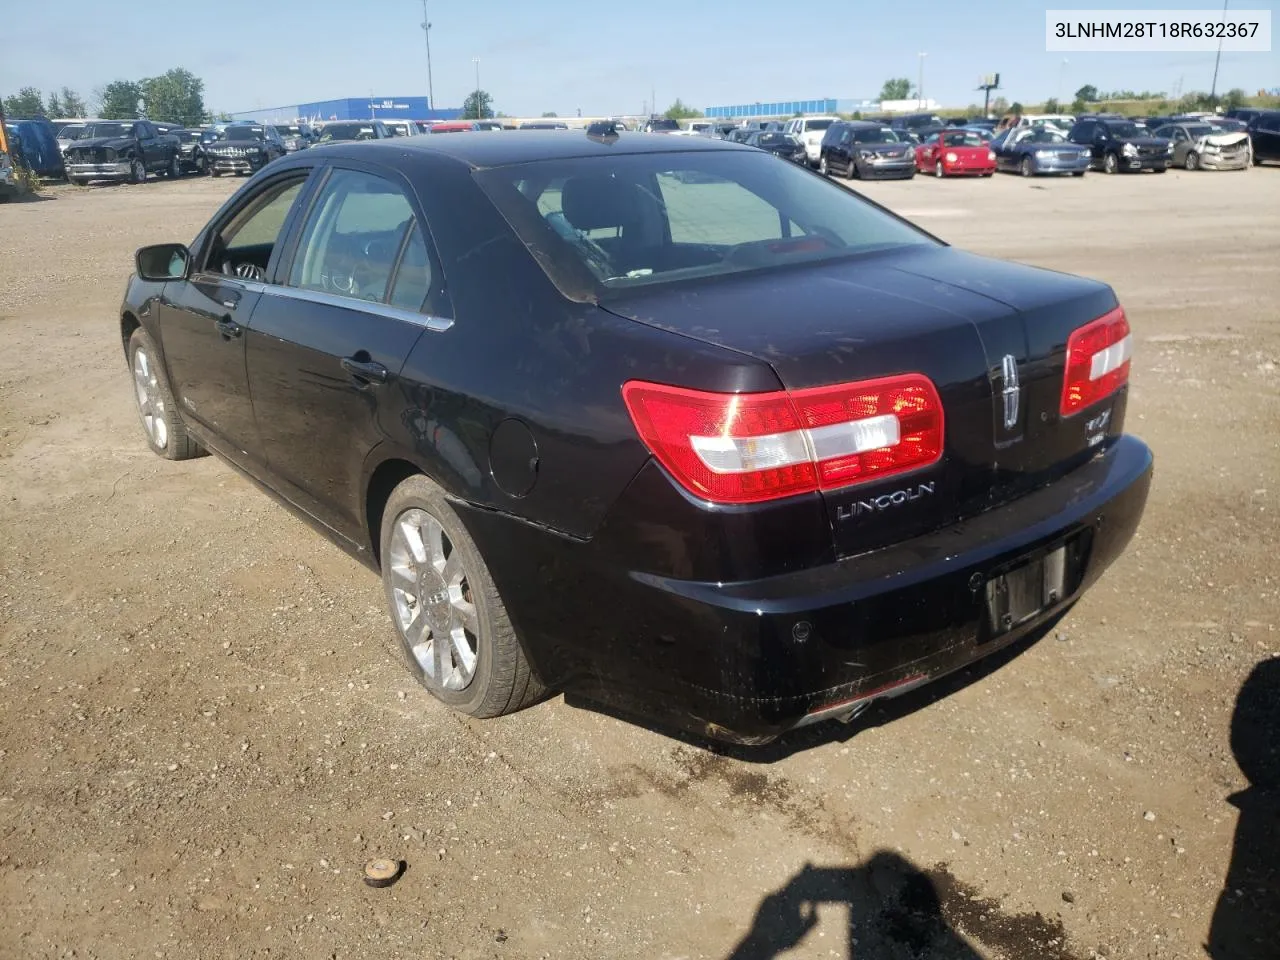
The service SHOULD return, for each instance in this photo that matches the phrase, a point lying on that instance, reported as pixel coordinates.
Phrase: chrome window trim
(432, 323)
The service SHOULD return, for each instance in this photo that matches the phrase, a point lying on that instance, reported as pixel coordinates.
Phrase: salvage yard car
(728, 448)
(1198, 146)
(121, 150)
(1036, 150)
(955, 153)
(244, 149)
(863, 148)
(1118, 145)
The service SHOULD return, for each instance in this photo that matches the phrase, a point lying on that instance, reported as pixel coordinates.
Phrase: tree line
(176, 96)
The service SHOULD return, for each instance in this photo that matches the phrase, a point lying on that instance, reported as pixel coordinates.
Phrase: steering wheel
(245, 271)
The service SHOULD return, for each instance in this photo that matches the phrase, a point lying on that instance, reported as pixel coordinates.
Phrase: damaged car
(1199, 146)
(121, 150)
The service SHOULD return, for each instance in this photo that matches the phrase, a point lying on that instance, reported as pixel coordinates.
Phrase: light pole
(426, 32)
(1213, 91)
(1062, 79)
(476, 61)
(920, 83)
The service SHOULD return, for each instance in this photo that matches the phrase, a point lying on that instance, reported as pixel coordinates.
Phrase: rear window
(647, 219)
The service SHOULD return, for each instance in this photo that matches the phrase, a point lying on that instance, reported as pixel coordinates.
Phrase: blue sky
(601, 57)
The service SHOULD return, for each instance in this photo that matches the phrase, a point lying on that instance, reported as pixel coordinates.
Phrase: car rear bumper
(748, 660)
(101, 171)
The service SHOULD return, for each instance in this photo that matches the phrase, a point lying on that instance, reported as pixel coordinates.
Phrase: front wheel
(215, 173)
(1110, 164)
(1193, 161)
(937, 169)
(1026, 169)
(454, 632)
(174, 170)
(822, 166)
(166, 433)
(137, 171)
(850, 169)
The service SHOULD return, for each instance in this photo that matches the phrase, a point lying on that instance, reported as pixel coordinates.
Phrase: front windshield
(71, 131)
(1124, 130)
(245, 133)
(1198, 129)
(961, 139)
(1042, 135)
(288, 130)
(875, 135)
(92, 131)
(640, 220)
(347, 131)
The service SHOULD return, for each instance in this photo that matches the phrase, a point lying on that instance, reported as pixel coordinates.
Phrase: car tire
(1110, 164)
(137, 171)
(175, 168)
(215, 173)
(1025, 167)
(77, 181)
(166, 433)
(432, 570)
(1077, 173)
(822, 166)
(850, 169)
(1163, 169)
(937, 169)
(1193, 161)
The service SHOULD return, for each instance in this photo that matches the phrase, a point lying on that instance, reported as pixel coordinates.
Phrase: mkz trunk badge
(1011, 391)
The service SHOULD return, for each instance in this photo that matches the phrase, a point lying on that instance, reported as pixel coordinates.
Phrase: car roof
(481, 149)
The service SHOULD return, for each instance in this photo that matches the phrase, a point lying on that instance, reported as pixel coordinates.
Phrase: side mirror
(163, 261)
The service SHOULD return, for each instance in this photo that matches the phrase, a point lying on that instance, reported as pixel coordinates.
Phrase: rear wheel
(1025, 167)
(1193, 161)
(454, 633)
(166, 433)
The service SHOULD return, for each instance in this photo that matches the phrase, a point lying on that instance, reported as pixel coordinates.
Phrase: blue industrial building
(789, 108)
(352, 108)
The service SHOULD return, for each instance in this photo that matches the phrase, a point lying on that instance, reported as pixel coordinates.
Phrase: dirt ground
(203, 736)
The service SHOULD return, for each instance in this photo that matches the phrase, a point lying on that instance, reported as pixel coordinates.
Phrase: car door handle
(228, 328)
(369, 371)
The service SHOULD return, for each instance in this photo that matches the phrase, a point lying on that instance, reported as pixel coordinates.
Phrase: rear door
(330, 336)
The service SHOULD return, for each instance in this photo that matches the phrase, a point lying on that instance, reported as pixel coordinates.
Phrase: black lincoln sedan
(658, 422)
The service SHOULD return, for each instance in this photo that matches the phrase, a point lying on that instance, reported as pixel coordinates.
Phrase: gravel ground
(203, 735)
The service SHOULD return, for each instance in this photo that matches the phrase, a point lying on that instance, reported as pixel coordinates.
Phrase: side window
(244, 245)
(353, 237)
(413, 274)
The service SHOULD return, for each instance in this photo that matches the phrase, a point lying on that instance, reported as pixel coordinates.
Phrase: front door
(330, 336)
(203, 319)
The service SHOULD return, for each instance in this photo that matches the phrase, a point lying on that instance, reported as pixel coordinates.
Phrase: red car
(956, 153)
(454, 126)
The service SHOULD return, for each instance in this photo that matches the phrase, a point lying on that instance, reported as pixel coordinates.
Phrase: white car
(402, 128)
(810, 131)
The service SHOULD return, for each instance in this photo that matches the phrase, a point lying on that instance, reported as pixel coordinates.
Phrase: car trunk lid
(973, 326)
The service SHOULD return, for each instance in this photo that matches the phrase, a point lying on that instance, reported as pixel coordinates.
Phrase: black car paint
(263, 145)
(730, 621)
(1099, 135)
(155, 149)
(1264, 133)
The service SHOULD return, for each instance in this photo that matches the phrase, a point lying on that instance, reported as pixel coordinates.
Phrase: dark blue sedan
(1033, 150)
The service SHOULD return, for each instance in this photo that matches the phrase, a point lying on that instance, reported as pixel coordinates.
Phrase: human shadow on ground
(895, 911)
(1246, 922)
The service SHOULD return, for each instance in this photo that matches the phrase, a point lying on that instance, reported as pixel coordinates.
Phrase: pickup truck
(121, 150)
(810, 131)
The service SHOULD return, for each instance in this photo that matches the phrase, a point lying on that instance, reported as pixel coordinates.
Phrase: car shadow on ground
(834, 731)
(894, 910)
(1246, 921)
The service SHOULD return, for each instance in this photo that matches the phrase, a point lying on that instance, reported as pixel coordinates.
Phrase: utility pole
(1213, 91)
(1062, 77)
(479, 108)
(426, 32)
(920, 83)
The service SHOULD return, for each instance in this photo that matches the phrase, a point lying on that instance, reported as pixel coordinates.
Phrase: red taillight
(1097, 361)
(748, 447)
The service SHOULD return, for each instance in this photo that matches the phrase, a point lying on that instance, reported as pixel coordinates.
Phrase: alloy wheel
(1109, 163)
(1193, 161)
(1026, 166)
(822, 166)
(432, 601)
(937, 168)
(137, 172)
(150, 399)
